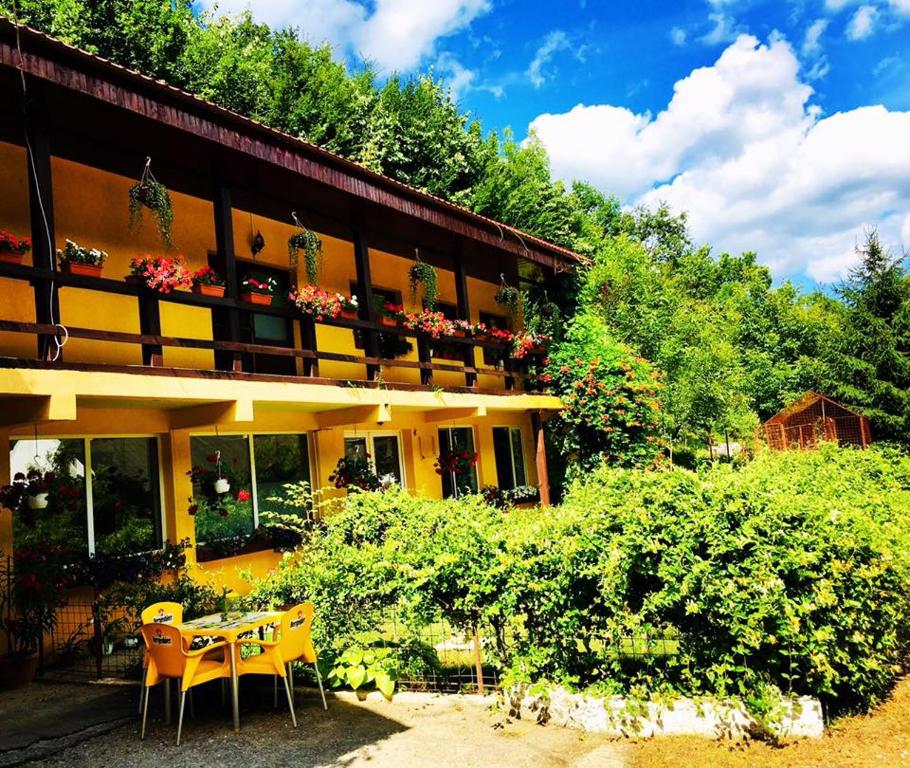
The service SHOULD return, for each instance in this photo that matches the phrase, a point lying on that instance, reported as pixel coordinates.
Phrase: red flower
(194, 508)
(243, 495)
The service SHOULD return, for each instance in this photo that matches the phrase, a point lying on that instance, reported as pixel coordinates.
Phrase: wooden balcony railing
(153, 342)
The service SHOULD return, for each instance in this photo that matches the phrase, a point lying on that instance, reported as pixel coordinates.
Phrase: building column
(178, 488)
(540, 457)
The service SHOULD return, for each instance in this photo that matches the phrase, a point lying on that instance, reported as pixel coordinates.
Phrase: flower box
(85, 270)
(389, 322)
(209, 290)
(264, 299)
(348, 314)
(10, 257)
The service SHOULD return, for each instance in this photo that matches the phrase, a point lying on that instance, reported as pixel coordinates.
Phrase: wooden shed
(814, 418)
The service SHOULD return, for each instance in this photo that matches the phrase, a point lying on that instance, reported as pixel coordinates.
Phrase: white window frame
(251, 451)
(369, 434)
(89, 499)
(524, 458)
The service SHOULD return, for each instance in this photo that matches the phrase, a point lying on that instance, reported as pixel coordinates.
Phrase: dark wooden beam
(150, 325)
(367, 309)
(540, 458)
(224, 243)
(41, 214)
(464, 310)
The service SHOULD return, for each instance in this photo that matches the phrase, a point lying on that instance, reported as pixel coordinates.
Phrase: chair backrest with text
(296, 641)
(163, 613)
(165, 648)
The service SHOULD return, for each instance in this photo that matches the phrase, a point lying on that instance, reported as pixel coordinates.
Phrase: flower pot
(458, 333)
(86, 270)
(256, 298)
(222, 485)
(209, 290)
(349, 314)
(17, 671)
(10, 257)
(389, 322)
(37, 501)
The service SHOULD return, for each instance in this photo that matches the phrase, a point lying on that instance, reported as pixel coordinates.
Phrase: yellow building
(148, 385)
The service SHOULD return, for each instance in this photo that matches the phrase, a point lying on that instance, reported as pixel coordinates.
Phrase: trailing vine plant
(423, 274)
(509, 297)
(149, 193)
(309, 242)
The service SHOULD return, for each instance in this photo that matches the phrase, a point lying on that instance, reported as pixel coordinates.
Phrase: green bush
(788, 574)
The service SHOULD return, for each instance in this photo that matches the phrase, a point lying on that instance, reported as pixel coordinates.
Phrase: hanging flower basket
(309, 242)
(423, 274)
(37, 501)
(149, 193)
(509, 297)
(222, 485)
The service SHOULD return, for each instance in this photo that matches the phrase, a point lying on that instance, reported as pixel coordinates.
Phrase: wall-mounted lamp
(257, 243)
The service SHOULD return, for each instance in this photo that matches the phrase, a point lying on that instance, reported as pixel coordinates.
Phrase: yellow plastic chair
(169, 660)
(294, 643)
(157, 613)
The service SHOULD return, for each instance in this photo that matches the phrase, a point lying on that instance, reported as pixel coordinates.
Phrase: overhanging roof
(64, 65)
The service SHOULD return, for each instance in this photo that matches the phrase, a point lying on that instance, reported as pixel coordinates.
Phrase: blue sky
(780, 127)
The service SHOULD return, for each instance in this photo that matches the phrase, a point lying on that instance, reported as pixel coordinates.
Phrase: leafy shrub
(787, 574)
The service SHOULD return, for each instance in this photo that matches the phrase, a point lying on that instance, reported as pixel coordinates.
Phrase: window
(256, 467)
(383, 448)
(458, 440)
(114, 510)
(279, 460)
(508, 449)
(493, 356)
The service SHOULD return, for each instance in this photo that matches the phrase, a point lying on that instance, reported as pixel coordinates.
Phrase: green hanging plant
(149, 193)
(309, 242)
(423, 274)
(509, 297)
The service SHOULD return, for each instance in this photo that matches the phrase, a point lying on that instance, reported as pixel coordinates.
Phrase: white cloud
(394, 34)
(555, 41)
(723, 31)
(812, 40)
(678, 36)
(905, 233)
(862, 24)
(756, 165)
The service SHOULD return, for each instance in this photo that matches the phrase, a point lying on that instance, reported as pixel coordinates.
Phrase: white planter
(38, 501)
(222, 485)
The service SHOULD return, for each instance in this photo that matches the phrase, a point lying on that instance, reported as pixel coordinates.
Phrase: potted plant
(434, 324)
(27, 492)
(162, 274)
(13, 248)
(527, 343)
(258, 292)
(149, 193)
(356, 472)
(207, 282)
(390, 315)
(313, 300)
(463, 328)
(423, 274)
(500, 336)
(307, 241)
(350, 307)
(34, 584)
(456, 462)
(76, 260)
(509, 297)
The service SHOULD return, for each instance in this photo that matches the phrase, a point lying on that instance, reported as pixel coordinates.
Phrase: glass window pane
(125, 495)
(230, 514)
(355, 448)
(387, 458)
(503, 453)
(270, 328)
(518, 457)
(458, 439)
(280, 460)
(62, 522)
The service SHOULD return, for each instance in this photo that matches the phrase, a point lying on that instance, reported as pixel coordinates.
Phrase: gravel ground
(413, 731)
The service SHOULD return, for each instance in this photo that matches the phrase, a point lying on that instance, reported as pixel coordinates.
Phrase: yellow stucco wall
(91, 207)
